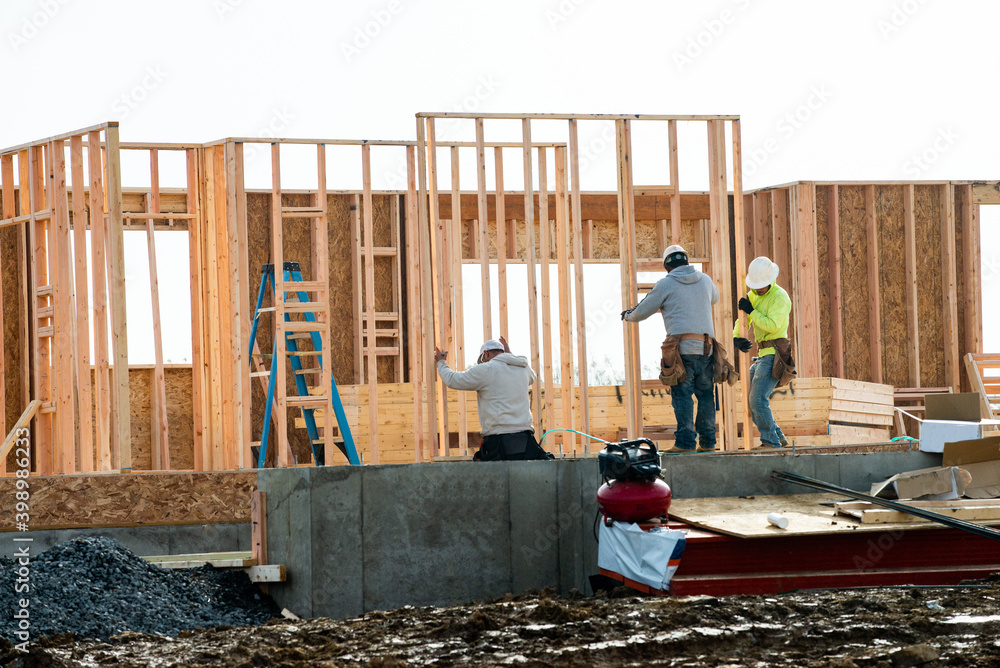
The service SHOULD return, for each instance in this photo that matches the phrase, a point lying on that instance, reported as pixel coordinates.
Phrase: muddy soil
(889, 628)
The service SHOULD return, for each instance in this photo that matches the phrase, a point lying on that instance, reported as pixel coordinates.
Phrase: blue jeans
(761, 387)
(698, 382)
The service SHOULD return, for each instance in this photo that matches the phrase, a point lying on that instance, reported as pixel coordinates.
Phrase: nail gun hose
(593, 438)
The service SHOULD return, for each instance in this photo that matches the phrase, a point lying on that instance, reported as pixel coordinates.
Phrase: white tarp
(650, 557)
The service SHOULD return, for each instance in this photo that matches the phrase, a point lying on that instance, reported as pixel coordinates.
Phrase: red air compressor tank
(633, 500)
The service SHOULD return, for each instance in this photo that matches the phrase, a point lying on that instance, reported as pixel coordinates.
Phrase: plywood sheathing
(929, 303)
(137, 499)
(823, 267)
(179, 419)
(12, 271)
(892, 283)
(854, 278)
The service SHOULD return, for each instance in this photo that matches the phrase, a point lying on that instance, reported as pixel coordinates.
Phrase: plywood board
(746, 517)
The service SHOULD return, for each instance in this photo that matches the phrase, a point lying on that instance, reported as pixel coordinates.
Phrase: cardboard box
(934, 484)
(962, 406)
(981, 458)
(935, 433)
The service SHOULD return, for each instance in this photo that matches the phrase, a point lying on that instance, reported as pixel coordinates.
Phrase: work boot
(711, 449)
(783, 441)
(678, 451)
(764, 447)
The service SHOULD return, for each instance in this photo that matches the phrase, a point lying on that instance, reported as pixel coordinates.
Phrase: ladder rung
(299, 337)
(44, 214)
(302, 211)
(321, 442)
(386, 315)
(381, 251)
(259, 374)
(48, 407)
(46, 332)
(253, 443)
(304, 326)
(384, 333)
(306, 372)
(266, 309)
(306, 307)
(44, 290)
(308, 400)
(304, 353)
(44, 312)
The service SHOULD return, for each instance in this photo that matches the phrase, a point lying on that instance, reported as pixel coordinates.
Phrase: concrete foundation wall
(381, 537)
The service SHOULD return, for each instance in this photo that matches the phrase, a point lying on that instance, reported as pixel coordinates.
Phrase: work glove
(745, 305)
(626, 312)
(741, 344)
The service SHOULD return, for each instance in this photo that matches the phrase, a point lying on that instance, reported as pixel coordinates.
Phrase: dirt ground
(901, 627)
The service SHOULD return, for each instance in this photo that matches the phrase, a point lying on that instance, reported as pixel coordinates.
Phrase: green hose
(593, 438)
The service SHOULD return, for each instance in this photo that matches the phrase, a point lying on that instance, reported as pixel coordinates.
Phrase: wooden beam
(910, 285)
(581, 312)
(65, 322)
(243, 315)
(484, 231)
(22, 422)
(369, 241)
(356, 290)
(721, 269)
(529, 233)
(198, 381)
(161, 439)
(836, 294)
(82, 348)
(455, 236)
(626, 246)
(501, 223)
(675, 200)
(278, 362)
(739, 233)
(780, 235)
(874, 285)
(949, 280)
(258, 527)
(98, 242)
(116, 283)
(439, 280)
(223, 262)
(32, 198)
(426, 274)
(545, 249)
(594, 205)
(565, 332)
(414, 303)
(806, 290)
(971, 281)
(9, 211)
(761, 225)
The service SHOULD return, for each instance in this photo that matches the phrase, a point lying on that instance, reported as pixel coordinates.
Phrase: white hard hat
(762, 273)
(492, 344)
(671, 250)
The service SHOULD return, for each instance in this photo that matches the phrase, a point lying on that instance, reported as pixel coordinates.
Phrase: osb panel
(854, 269)
(823, 269)
(136, 499)
(927, 208)
(338, 217)
(139, 388)
(604, 240)
(179, 420)
(892, 284)
(647, 243)
(12, 279)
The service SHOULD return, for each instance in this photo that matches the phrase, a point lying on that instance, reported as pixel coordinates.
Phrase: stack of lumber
(832, 411)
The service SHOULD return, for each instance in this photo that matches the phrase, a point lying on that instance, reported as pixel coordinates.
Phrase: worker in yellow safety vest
(768, 307)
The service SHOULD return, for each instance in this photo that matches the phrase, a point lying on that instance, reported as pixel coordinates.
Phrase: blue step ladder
(308, 402)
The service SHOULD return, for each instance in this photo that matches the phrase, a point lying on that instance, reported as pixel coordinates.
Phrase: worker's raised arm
(474, 378)
(649, 305)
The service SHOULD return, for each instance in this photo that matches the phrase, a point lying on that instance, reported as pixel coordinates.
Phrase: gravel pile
(96, 588)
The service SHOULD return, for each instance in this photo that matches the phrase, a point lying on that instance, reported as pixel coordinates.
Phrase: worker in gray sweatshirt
(501, 382)
(684, 298)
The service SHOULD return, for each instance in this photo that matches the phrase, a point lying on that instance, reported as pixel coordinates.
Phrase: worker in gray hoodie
(684, 298)
(501, 382)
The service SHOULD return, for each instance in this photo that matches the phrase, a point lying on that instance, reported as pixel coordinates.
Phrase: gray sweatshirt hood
(512, 360)
(686, 274)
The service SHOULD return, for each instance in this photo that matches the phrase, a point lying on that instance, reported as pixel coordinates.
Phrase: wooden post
(98, 242)
(455, 235)
(675, 199)
(279, 361)
(874, 286)
(581, 313)
(949, 280)
(223, 456)
(32, 196)
(836, 296)
(9, 211)
(565, 333)
(626, 246)
(65, 322)
(439, 278)
(484, 230)
(501, 222)
(116, 282)
(972, 294)
(739, 233)
(161, 439)
(85, 409)
(414, 303)
(805, 301)
(910, 261)
(258, 529)
(369, 241)
(529, 231)
(199, 392)
(545, 249)
(243, 316)
(761, 225)
(427, 303)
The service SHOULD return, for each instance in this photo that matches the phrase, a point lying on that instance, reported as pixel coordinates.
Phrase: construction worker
(501, 381)
(684, 298)
(767, 306)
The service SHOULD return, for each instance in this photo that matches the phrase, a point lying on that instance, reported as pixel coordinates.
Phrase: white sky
(852, 90)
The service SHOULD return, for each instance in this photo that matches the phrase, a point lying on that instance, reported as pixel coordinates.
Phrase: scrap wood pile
(97, 588)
